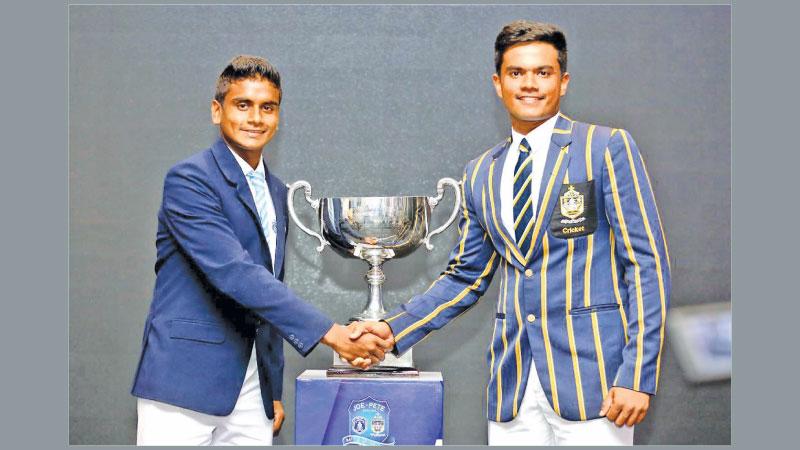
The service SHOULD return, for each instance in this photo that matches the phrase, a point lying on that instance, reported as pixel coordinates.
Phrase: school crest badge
(575, 215)
(571, 203)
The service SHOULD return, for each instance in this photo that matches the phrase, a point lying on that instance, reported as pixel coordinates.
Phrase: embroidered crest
(571, 203)
(575, 215)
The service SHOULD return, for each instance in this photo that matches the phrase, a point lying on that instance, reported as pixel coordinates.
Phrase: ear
(564, 83)
(498, 88)
(216, 112)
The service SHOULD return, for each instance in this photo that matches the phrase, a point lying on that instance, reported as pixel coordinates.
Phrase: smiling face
(531, 84)
(248, 116)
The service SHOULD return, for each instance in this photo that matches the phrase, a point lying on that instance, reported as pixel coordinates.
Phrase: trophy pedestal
(405, 361)
(369, 410)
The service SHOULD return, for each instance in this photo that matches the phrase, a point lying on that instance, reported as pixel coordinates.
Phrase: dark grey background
(399, 91)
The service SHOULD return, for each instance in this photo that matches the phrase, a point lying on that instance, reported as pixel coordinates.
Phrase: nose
(529, 81)
(255, 116)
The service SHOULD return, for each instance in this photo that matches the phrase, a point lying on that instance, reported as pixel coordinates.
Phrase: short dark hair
(521, 31)
(243, 67)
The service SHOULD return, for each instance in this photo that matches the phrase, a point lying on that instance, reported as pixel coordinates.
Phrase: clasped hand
(361, 344)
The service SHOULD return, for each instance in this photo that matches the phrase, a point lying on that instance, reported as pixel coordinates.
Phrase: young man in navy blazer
(211, 367)
(565, 212)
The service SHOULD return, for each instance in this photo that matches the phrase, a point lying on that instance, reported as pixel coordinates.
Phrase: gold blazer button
(531, 318)
(528, 273)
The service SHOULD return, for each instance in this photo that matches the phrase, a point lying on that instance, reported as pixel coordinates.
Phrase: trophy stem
(375, 277)
(375, 257)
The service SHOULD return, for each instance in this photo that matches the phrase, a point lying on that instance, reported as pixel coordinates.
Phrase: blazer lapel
(554, 170)
(499, 233)
(233, 174)
(278, 194)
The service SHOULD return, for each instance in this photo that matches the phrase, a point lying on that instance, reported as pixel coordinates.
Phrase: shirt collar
(542, 133)
(246, 169)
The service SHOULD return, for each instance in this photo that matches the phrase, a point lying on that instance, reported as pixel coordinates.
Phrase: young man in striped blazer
(564, 211)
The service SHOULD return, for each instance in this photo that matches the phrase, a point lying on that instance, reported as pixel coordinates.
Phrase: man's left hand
(625, 406)
(277, 421)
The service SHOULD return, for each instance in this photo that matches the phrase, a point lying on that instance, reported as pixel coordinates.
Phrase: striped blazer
(589, 299)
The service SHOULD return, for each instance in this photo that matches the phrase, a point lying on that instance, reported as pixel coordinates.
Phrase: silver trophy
(375, 229)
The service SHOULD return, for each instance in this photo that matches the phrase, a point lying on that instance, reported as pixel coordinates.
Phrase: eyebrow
(522, 68)
(245, 99)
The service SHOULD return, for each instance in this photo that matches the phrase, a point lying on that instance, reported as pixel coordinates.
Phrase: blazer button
(528, 273)
(531, 318)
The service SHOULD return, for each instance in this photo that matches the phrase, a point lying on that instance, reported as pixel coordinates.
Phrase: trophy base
(404, 361)
(373, 372)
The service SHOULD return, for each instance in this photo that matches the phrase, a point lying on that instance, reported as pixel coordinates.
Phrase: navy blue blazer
(587, 302)
(216, 291)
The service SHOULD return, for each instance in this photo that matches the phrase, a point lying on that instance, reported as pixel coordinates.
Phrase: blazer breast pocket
(574, 214)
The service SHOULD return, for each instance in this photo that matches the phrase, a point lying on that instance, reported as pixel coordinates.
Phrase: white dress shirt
(539, 142)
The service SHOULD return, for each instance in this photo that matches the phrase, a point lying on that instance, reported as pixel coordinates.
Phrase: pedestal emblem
(369, 423)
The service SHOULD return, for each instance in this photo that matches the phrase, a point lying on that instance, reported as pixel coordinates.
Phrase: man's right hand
(380, 329)
(363, 350)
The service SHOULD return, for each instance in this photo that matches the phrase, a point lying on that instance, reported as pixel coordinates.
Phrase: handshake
(362, 344)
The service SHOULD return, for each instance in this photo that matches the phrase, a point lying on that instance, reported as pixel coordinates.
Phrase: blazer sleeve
(194, 218)
(639, 243)
(275, 366)
(472, 264)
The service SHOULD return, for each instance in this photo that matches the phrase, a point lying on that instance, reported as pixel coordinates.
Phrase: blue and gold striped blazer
(588, 307)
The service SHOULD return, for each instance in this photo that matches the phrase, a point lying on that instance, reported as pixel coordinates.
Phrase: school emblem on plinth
(369, 423)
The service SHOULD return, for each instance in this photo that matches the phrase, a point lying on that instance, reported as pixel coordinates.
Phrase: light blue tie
(259, 185)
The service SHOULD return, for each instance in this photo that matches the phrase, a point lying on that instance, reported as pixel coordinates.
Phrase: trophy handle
(314, 204)
(433, 201)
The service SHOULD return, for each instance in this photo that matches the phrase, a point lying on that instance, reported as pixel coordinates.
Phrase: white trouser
(164, 424)
(537, 424)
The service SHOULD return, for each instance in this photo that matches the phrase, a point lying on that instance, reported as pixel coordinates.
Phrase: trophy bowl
(398, 224)
(374, 229)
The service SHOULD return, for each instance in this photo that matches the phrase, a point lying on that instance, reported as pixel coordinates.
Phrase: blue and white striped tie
(523, 212)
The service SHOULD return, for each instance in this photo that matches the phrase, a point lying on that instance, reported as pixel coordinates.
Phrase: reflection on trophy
(375, 229)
